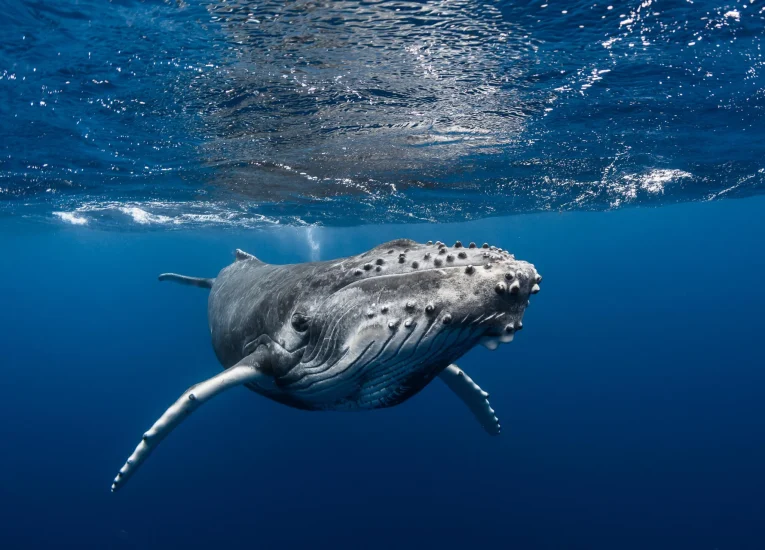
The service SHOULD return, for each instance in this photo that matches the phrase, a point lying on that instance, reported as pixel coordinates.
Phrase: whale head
(405, 307)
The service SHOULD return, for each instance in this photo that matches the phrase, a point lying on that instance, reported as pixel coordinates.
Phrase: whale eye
(300, 322)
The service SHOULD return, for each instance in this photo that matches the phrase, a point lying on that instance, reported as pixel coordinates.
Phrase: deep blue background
(632, 403)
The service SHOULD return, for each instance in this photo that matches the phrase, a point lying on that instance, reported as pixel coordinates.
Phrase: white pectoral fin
(472, 395)
(243, 372)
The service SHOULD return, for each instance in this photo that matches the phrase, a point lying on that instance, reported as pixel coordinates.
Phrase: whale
(363, 332)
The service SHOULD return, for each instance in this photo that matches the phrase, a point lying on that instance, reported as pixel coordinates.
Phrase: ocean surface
(618, 146)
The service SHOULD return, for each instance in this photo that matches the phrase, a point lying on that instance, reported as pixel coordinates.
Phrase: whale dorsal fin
(241, 255)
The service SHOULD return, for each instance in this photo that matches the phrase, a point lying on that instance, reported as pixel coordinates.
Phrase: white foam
(143, 217)
(733, 14)
(163, 213)
(216, 219)
(627, 188)
(654, 181)
(71, 217)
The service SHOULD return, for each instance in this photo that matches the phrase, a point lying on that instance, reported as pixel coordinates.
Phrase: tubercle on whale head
(480, 292)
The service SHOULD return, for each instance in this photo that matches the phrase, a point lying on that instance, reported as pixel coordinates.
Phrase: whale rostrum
(362, 332)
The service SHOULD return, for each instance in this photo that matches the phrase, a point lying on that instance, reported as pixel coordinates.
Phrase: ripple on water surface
(170, 114)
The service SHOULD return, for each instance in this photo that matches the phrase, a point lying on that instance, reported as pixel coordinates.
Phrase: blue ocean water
(631, 403)
(617, 146)
(190, 113)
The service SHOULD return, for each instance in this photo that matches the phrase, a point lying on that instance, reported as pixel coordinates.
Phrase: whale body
(357, 333)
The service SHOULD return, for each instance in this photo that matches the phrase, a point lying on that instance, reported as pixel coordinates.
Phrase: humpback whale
(362, 332)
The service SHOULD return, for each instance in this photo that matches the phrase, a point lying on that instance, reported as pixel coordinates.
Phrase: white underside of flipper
(472, 395)
(192, 398)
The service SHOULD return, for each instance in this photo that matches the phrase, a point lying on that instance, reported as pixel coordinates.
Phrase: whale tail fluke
(201, 282)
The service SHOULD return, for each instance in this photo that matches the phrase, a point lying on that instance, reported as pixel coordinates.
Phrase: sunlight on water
(169, 114)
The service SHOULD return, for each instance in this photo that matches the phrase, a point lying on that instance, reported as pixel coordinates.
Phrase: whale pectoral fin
(201, 282)
(246, 371)
(472, 395)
